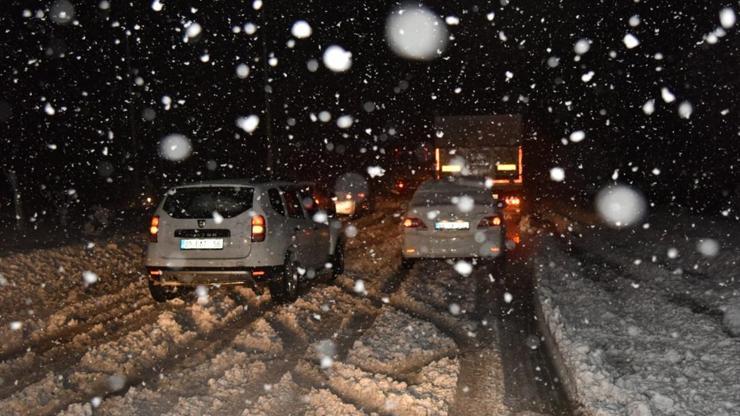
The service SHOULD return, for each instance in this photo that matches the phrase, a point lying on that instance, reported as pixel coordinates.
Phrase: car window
(292, 204)
(276, 202)
(203, 202)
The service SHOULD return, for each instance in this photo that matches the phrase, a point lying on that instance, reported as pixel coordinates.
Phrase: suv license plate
(202, 244)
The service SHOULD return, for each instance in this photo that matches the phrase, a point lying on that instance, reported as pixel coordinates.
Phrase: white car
(452, 219)
(241, 232)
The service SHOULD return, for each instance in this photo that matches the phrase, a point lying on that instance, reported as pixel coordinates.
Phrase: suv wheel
(285, 288)
(337, 261)
(162, 293)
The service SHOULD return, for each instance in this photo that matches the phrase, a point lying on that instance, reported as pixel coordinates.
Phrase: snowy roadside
(640, 329)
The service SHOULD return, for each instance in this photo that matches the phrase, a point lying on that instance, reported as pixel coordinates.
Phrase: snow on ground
(415, 343)
(44, 292)
(637, 333)
(437, 283)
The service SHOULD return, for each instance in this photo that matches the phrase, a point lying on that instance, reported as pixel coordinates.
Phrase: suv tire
(337, 261)
(162, 293)
(285, 287)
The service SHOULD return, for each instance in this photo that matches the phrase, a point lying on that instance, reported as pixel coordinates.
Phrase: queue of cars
(280, 234)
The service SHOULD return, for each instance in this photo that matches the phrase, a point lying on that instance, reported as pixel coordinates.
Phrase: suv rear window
(202, 202)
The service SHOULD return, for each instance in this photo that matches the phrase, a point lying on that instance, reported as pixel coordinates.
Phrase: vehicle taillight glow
(411, 222)
(258, 228)
(513, 200)
(154, 229)
(492, 221)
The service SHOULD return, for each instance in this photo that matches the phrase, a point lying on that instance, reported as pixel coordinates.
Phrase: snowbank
(627, 347)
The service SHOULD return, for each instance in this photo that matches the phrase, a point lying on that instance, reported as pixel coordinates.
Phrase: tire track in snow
(158, 346)
(56, 357)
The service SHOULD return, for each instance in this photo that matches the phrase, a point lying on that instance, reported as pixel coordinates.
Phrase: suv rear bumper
(194, 276)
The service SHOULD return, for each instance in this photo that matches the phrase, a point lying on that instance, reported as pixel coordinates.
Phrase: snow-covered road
(379, 340)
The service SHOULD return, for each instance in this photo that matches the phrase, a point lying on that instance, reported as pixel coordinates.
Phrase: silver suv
(244, 232)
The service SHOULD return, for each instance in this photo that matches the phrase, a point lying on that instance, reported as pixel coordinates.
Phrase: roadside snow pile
(694, 260)
(628, 349)
(415, 344)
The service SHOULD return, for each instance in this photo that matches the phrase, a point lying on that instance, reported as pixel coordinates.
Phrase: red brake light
(154, 229)
(258, 228)
(411, 222)
(491, 221)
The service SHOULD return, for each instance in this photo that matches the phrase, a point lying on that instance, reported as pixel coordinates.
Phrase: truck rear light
(154, 229)
(491, 221)
(411, 222)
(258, 228)
(513, 200)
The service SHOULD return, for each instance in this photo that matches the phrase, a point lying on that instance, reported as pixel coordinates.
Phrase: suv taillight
(258, 228)
(491, 221)
(154, 229)
(411, 222)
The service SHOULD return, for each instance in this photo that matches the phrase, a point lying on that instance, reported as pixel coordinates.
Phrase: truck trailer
(488, 146)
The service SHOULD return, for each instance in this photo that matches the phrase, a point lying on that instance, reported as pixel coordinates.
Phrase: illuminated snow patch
(217, 218)
(301, 29)
(249, 123)
(588, 76)
(454, 309)
(337, 59)
(175, 147)
(577, 136)
(374, 171)
(242, 71)
(557, 174)
(727, 17)
(350, 231)
(649, 107)
(345, 121)
(89, 277)
(463, 268)
(582, 46)
(667, 95)
(620, 206)
(359, 287)
(414, 32)
(62, 12)
(464, 203)
(685, 109)
(708, 247)
(630, 41)
(201, 292)
(192, 30)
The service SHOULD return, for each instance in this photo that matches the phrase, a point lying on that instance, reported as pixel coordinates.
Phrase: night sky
(106, 71)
